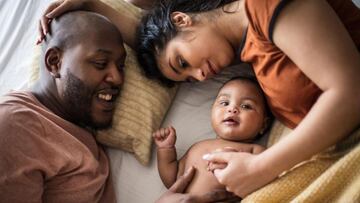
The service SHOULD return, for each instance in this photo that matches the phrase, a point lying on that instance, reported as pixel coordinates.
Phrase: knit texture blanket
(331, 176)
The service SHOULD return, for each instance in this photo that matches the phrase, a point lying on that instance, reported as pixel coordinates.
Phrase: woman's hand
(175, 192)
(144, 4)
(243, 172)
(56, 9)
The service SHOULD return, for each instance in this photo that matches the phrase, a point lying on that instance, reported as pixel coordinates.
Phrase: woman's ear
(181, 19)
(53, 61)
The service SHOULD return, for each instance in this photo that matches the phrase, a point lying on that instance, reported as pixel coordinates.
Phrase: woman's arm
(144, 4)
(125, 21)
(312, 35)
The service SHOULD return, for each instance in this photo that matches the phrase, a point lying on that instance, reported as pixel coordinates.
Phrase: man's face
(91, 76)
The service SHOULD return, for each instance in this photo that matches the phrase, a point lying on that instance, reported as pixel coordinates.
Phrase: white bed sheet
(189, 114)
(18, 33)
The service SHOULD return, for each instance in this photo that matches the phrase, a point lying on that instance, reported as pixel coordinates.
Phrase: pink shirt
(44, 158)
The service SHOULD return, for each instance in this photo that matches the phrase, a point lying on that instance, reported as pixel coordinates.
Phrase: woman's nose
(198, 74)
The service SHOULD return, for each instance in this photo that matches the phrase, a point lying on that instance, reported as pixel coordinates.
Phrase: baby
(239, 115)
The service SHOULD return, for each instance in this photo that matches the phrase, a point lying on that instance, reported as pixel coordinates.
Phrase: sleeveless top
(290, 94)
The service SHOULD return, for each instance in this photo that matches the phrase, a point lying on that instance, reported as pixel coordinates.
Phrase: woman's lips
(213, 68)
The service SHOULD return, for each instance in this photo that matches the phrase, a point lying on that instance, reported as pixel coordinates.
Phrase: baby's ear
(266, 125)
(53, 61)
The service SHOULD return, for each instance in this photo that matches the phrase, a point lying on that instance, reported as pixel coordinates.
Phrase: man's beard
(78, 99)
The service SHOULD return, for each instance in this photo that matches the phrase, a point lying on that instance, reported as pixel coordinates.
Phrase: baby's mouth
(231, 121)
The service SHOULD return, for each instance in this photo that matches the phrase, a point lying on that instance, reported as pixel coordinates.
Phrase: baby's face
(238, 113)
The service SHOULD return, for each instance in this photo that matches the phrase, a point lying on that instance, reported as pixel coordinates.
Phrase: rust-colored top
(289, 92)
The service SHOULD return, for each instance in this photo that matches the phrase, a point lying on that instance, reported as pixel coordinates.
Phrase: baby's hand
(165, 137)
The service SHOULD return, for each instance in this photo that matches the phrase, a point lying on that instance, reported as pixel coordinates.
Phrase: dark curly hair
(156, 30)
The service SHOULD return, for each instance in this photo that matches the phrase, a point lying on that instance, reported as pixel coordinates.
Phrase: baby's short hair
(252, 79)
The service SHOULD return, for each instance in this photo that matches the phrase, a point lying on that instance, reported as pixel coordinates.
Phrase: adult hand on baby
(242, 174)
(55, 9)
(165, 137)
(175, 192)
(219, 165)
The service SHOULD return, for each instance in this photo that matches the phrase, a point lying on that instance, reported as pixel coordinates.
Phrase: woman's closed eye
(182, 63)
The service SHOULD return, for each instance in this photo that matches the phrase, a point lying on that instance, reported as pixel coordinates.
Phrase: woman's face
(196, 54)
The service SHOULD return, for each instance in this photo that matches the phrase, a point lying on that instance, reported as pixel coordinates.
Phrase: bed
(189, 112)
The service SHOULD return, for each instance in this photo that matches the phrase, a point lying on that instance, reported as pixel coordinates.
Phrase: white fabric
(189, 114)
(18, 32)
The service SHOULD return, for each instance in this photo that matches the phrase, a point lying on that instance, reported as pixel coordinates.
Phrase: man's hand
(165, 137)
(175, 193)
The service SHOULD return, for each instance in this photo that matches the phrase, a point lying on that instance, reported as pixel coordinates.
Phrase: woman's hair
(156, 30)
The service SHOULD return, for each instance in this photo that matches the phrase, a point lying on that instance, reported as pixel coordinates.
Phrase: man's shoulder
(16, 97)
(15, 108)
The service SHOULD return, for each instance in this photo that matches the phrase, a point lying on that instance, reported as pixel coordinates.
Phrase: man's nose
(115, 76)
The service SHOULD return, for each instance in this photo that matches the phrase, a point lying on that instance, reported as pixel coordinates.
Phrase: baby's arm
(165, 139)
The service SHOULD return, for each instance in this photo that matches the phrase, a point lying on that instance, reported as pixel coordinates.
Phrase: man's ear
(53, 61)
(181, 19)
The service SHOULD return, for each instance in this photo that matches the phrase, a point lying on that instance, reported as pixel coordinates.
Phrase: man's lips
(107, 97)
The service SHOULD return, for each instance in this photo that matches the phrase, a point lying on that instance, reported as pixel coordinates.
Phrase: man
(48, 152)
(47, 147)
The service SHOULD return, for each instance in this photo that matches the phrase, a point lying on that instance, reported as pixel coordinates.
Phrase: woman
(304, 53)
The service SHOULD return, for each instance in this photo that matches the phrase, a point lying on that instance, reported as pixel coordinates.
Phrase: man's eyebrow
(107, 52)
(173, 68)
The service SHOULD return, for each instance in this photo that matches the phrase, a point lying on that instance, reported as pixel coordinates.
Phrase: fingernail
(206, 156)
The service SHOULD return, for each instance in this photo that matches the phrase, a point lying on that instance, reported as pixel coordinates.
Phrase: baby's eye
(224, 103)
(246, 106)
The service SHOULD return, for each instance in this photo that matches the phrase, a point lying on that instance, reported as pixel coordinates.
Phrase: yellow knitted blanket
(332, 176)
